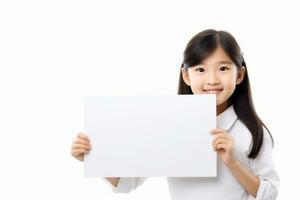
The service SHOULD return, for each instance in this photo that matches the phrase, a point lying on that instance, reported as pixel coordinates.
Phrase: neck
(221, 108)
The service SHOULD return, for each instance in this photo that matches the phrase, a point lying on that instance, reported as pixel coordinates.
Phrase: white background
(52, 53)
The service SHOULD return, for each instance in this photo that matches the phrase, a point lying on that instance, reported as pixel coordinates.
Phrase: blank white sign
(150, 136)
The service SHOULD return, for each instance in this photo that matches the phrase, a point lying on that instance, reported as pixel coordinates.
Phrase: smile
(212, 91)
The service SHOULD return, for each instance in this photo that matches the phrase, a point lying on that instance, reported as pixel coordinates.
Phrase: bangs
(205, 43)
(199, 48)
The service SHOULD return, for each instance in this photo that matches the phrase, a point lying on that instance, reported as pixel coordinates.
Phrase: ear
(185, 76)
(240, 75)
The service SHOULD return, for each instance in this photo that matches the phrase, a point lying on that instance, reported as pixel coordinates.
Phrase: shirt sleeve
(126, 184)
(263, 167)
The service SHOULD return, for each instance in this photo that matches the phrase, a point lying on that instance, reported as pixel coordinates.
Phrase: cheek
(230, 84)
(197, 86)
(229, 80)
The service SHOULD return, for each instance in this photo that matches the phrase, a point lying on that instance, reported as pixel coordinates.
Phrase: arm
(263, 167)
(224, 145)
(248, 180)
(261, 180)
(124, 184)
(81, 145)
(113, 181)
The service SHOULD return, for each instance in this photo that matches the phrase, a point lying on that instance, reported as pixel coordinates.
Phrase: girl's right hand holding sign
(81, 145)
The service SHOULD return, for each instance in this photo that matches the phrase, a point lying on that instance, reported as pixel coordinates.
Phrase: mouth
(215, 91)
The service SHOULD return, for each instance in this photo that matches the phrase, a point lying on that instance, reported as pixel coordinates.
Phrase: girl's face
(217, 74)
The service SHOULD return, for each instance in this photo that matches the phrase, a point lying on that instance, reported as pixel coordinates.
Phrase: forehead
(217, 57)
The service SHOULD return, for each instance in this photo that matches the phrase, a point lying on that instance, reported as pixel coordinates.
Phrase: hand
(224, 145)
(81, 145)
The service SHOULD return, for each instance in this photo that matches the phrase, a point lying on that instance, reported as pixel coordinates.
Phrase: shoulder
(242, 137)
(268, 142)
(242, 129)
(241, 133)
(267, 135)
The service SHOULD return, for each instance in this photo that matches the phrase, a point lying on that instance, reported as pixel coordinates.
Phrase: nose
(213, 80)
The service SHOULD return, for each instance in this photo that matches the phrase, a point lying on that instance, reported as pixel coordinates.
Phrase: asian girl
(213, 63)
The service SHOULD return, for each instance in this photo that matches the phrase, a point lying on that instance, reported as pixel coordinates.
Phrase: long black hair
(203, 45)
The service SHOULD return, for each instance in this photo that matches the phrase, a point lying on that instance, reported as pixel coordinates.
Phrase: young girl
(213, 63)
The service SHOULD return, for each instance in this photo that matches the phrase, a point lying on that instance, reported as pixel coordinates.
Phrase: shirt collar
(227, 118)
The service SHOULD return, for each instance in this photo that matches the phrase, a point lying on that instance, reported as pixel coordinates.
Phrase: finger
(83, 136)
(216, 130)
(77, 152)
(219, 141)
(221, 146)
(220, 135)
(81, 141)
(80, 146)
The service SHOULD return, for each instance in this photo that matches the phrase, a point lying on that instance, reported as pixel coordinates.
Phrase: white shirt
(225, 186)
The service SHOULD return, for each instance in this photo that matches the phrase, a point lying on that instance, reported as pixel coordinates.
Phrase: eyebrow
(225, 62)
(220, 62)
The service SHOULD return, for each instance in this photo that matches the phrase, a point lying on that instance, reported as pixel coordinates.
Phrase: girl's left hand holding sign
(224, 145)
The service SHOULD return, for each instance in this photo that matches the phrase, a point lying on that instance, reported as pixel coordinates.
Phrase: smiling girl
(213, 63)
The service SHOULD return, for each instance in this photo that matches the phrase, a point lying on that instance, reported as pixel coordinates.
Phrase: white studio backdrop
(52, 53)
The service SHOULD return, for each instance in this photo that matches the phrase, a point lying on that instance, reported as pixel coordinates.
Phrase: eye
(200, 69)
(223, 68)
